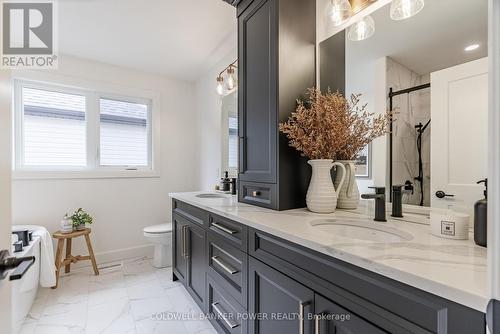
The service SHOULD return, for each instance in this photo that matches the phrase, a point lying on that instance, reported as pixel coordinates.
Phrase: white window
(230, 134)
(54, 130)
(232, 159)
(81, 131)
(124, 133)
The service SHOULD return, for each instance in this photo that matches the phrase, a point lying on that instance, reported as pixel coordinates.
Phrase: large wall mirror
(431, 71)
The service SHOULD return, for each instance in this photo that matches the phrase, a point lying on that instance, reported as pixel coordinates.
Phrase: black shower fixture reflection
(420, 178)
(420, 130)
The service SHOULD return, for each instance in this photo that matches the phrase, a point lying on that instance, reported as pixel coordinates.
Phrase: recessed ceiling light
(472, 47)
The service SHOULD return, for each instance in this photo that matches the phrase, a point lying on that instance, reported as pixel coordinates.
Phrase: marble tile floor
(131, 297)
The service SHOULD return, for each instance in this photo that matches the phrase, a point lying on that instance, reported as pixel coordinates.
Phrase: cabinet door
(196, 264)
(179, 247)
(282, 304)
(257, 94)
(330, 318)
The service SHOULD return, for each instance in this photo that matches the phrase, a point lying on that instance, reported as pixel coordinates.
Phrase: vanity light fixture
(404, 9)
(231, 79)
(220, 85)
(472, 47)
(361, 30)
(341, 11)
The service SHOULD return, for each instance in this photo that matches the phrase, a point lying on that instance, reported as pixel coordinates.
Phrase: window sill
(80, 174)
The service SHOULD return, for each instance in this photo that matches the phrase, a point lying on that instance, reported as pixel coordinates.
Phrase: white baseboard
(118, 255)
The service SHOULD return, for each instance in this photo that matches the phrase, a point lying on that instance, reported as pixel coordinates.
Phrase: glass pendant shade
(220, 85)
(362, 30)
(404, 9)
(231, 79)
(340, 12)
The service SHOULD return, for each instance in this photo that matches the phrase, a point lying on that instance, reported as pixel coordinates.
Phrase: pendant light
(220, 85)
(340, 12)
(404, 9)
(361, 30)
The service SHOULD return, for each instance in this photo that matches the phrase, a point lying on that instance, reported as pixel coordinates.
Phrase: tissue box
(450, 225)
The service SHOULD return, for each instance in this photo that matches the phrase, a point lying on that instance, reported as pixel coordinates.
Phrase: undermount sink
(210, 195)
(361, 229)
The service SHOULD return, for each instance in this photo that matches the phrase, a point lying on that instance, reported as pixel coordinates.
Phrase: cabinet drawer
(225, 314)
(194, 214)
(260, 194)
(404, 308)
(234, 233)
(229, 266)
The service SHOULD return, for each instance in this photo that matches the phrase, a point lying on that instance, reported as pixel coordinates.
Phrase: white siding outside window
(124, 133)
(54, 128)
(233, 143)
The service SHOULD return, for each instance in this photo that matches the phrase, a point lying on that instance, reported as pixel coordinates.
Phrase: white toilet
(161, 237)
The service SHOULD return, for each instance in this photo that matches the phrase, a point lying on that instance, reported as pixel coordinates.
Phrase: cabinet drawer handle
(317, 323)
(223, 228)
(256, 193)
(229, 323)
(184, 242)
(301, 317)
(224, 266)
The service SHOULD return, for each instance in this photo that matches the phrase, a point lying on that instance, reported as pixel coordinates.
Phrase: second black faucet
(379, 198)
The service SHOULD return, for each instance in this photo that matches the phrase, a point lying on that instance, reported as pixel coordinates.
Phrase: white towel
(47, 263)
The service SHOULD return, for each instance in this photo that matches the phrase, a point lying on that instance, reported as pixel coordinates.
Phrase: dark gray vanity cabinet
(195, 284)
(189, 261)
(188, 249)
(285, 305)
(252, 282)
(290, 307)
(276, 64)
(179, 258)
(331, 318)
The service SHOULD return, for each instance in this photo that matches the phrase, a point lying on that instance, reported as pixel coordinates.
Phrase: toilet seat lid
(160, 228)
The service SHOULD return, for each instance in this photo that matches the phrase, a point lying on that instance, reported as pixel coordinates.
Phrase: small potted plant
(80, 218)
(326, 128)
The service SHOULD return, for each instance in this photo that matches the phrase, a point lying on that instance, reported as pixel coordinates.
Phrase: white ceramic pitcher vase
(345, 182)
(321, 196)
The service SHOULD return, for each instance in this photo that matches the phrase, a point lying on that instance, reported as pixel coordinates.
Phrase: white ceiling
(432, 40)
(178, 38)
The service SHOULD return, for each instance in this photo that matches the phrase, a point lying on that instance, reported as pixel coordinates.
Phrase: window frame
(93, 92)
(149, 129)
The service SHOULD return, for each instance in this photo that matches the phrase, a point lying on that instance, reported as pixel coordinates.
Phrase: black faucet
(397, 201)
(379, 198)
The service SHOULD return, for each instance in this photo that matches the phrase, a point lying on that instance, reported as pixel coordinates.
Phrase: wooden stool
(70, 258)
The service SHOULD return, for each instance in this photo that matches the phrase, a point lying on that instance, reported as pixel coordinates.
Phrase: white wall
(367, 77)
(5, 191)
(208, 107)
(121, 207)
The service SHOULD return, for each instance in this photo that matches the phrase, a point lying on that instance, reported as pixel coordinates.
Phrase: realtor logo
(28, 35)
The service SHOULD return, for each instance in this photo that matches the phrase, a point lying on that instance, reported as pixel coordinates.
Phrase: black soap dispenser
(481, 217)
(226, 182)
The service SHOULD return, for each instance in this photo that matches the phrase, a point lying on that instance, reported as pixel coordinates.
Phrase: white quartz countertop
(453, 269)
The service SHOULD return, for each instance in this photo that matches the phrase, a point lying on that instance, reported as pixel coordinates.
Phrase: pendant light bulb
(231, 79)
(220, 85)
(404, 9)
(340, 11)
(362, 29)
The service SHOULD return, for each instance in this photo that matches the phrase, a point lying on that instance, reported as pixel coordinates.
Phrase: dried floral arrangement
(329, 126)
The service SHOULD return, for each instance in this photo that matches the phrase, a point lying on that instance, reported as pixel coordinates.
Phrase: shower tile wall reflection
(411, 109)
